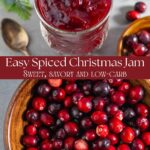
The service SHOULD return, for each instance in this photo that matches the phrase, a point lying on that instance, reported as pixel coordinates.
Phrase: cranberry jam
(73, 15)
(87, 115)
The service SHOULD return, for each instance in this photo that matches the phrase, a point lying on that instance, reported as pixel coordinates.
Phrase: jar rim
(71, 32)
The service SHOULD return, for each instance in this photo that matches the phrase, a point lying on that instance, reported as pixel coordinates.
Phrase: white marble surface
(38, 47)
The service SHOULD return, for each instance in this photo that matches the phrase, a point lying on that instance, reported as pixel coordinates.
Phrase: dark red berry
(63, 115)
(115, 82)
(90, 135)
(71, 88)
(76, 97)
(44, 133)
(113, 138)
(140, 7)
(39, 103)
(142, 110)
(130, 41)
(32, 148)
(132, 15)
(32, 115)
(30, 141)
(69, 143)
(53, 108)
(129, 113)
(57, 144)
(146, 138)
(112, 109)
(76, 113)
(31, 130)
(86, 123)
(68, 102)
(140, 49)
(138, 145)
(61, 134)
(87, 88)
(46, 119)
(102, 131)
(46, 145)
(123, 147)
(142, 123)
(99, 103)
(125, 87)
(59, 94)
(44, 90)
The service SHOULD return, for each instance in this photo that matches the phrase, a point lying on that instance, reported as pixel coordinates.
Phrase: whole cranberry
(44, 133)
(115, 82)
(64, 115)
(32, 115)
(69, 143)
(111, 147)
(144, 36)
(119, 115)
(112, 109)
(129, 113)
(146, 138)
(55, 82)
(115, 125)
(99, 103)
(142, 123)
(139, 49)
(123, 147)
(29, 141)
(76, 97)
(118, 98)
(32, 148)
(76, 113)
(99, 117)
(87, 88)
(142, 110)
(113, 138)
(124, 87)
(81, 145)
(44, 89)
(85, 104)
(101, 88)
(138, 145)
(86, 123)
(39, 103)
(90, 135)
(53, 108)
(46, 119)
(37, 124)
(46, 145)
(132, 15)
(127, 135)
(59, 94)
(68, 102)
(31, 130)
(71, 88)
(140, 7)
(136, 93)
(130, 41)
(61, 134)
(57, 144)
(102, 131)
(71, 128)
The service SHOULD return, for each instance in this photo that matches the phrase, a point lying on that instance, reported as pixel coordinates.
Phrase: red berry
(85, 104)
(86, 123)
(81, 145)
(44, 89)
(111, 147)
(31, 130)
(55, 82)
(32, 148)
(59, 94)
(112, 109)
(142, 110)
(124, 87)
(116, 125)
(115, 82)
(99, 103)
(69, 143)
(63, 115)
(140, 7)
(132, 15)
(119, 115)
(128, 135)
(99, 117)
(39, 103)
(68, 102)
(30, 141)
(46, 119)
(142, 123)
(90, 135)
(71, 88)
(144, 36)
(138, 145)
(44, 133)
(32, 115)
(123, 147)
(102, 131)
(140, 49)
(113, 138)
(146, 138)
(46, 145)
(57, 144)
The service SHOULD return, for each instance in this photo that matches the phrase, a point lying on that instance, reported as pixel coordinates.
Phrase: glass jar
(74, 43)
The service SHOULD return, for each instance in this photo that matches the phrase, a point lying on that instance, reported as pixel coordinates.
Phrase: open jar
(74, 29)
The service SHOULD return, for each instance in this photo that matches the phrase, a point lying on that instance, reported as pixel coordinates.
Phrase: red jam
(74, 15)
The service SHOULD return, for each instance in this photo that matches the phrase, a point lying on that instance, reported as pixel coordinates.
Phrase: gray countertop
(38, 47)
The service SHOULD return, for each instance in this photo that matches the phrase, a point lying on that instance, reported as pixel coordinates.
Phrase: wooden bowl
(14, 123)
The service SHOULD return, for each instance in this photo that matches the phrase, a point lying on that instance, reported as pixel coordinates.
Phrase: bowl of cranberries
(60, 114)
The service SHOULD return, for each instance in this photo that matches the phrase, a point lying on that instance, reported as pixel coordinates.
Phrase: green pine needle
(21, 7)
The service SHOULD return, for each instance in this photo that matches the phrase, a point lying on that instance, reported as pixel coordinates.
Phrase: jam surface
(73, 15)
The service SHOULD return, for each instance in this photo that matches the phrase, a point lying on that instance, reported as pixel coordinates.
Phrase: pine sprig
(21, 7)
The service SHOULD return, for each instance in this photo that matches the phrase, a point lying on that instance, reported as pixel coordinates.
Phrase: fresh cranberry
(116, 125)
(102, 131)
(86, 123)
(137, 131)
(76, 113)
(127, 135)
(146, 138)
(87, 88)
(115, 82)
(37, 124)
(138, 145)
(142, 123)
(39, 103)
(90, 135)
(140, 7)
(59, 94)
(68, 102)
(101, 88)
(55, 82)
(32, 148)
(32, 115)
(103, 144)
(63, 115)
(76, 97)
(119, 115)
(139, 49)
(71, 88)
(124, 87)
(85, 104)
(142, 110)
(118, 98)
(113, 138)
(44, 89)
(99, 117)
(99, 103)
(44, 133)
(81, 145)
(112, 109)
(132, 15)
(46, 119)
(31, 130)
(136, 93)
(53, 108)
(111, 147)
(61, 134)
(30, 141)
(57, 144)
(144, 36)
(69, 143)
(129, 42)
(123, 147)
(71, 128)
(46, 145)
(129, 113)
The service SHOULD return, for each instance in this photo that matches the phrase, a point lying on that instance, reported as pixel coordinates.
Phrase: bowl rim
(8, 115)
(119, 45)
